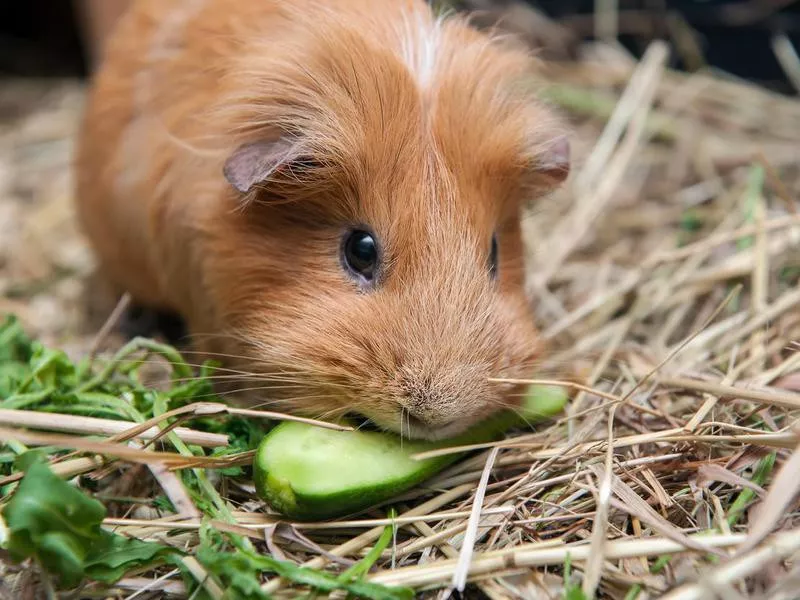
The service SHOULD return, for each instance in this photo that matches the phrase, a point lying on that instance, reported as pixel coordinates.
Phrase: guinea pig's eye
(493, 257)
(360, 254)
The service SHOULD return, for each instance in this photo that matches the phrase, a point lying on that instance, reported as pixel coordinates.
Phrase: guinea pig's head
(371, 261)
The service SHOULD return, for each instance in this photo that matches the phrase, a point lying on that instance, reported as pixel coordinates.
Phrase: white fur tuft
(420, 42)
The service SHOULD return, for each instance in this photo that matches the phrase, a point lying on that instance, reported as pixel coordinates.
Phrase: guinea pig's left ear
(553, 164)
(255, 162)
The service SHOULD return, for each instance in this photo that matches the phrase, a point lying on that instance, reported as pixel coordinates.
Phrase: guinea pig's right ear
(255, 162)
(554, 162)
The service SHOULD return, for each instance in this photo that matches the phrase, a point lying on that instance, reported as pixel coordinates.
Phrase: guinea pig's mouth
(363, 423)
(411, 429)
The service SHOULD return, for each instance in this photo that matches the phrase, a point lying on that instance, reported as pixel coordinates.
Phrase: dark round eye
(360, 254)
(493, 258)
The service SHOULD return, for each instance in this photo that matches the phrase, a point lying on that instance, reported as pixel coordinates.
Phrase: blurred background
(57, 38)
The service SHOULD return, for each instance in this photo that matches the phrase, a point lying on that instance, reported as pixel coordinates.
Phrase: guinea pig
(329, 193)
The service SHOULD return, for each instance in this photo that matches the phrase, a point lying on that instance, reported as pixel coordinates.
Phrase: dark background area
(42, 38)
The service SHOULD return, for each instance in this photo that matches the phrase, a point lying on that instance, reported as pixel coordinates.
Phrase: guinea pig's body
(329, 193)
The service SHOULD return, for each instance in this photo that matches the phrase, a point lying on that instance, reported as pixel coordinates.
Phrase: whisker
(255, 378)
(521, 416)
(164, 361)
(222, 354)
(292, 400)
(334, 412)
(284, 376)
(264, 388)
(402, 412)
(224, 394)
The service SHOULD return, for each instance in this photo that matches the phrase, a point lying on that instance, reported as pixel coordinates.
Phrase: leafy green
(34, 377)
(633, 592)
(60, 527)
(15, 353)
(114, 555)
(257, 563)
(238, 571)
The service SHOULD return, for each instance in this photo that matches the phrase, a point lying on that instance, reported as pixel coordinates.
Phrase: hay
(666, 282)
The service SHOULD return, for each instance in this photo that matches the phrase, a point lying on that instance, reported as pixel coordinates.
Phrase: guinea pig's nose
(432, 407)
(426, 416)
(423, 424)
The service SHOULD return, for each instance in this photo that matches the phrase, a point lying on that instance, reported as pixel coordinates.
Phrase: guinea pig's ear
(554, 163)
(255, 162)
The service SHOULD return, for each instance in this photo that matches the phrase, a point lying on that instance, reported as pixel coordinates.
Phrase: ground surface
(45, 266)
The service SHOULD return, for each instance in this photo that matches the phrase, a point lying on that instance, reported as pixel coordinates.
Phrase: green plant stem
(361, 568)
(745, 497)
(179, 366)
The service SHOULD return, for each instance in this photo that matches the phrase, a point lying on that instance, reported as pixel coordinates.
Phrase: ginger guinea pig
(329, 193)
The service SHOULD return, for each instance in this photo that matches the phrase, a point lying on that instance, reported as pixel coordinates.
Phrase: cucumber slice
(310, 473)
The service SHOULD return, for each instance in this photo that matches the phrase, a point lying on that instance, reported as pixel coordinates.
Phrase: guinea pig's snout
(432, 409)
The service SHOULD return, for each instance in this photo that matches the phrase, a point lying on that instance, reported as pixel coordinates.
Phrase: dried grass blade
(535, 554)
(632, 503)
(719, 239)
(142, 585)
(176, 492)
(737, 568)
(119, 450)
(770, 398)
(713, 472)
(465, 555)
(594, 567)
(66, 423)
(203, 578)
(596, 195)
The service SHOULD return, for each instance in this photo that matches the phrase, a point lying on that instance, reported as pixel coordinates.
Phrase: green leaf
(239, 573)
(24, 461)
(14, 344)
(113, 555)
(240, 580)
(326, 583)
(51, 521)
(12, 374)
(56, 524)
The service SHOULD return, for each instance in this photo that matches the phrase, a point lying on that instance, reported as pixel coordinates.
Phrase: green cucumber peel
(308, 473)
